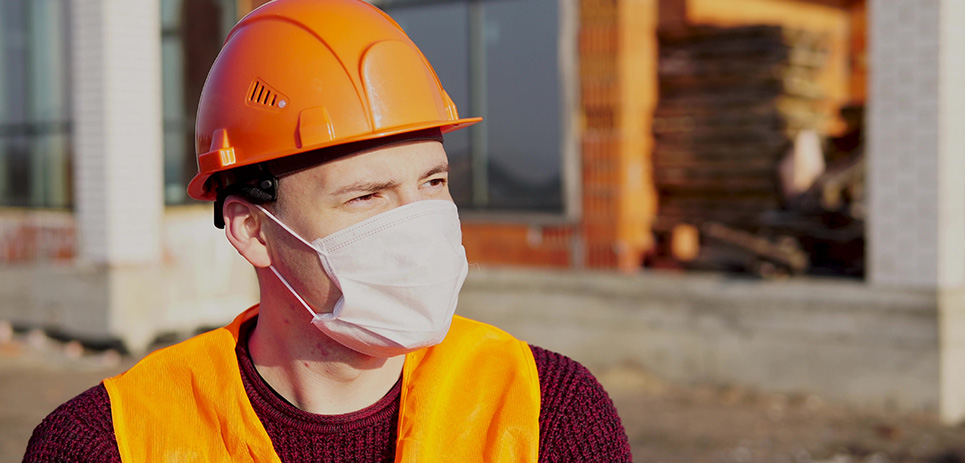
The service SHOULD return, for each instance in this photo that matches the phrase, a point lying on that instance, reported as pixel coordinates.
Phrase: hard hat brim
(199, 189)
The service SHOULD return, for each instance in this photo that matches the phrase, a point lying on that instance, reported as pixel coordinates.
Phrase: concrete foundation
(842, 340)
(201, 281)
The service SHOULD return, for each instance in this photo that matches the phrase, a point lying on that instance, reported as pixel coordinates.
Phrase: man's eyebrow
(367, 186)
(364, 186)
(444, 167)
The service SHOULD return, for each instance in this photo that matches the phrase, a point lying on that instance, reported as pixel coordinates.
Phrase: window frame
(34, 128)
(231, 14)
(570, 160)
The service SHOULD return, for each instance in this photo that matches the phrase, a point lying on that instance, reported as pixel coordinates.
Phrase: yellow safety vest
(474, 397)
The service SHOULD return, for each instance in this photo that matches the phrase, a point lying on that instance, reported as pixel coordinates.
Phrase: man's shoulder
(578, 421)
(563, 379)
(79, 430)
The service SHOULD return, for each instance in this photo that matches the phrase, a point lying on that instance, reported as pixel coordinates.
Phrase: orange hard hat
(299, 75)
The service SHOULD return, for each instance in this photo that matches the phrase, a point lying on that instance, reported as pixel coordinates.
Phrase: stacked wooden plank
(731, 100)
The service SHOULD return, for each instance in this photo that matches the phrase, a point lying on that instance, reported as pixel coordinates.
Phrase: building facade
(98, 240)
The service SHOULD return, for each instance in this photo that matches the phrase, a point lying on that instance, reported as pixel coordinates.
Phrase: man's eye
(364, 197)
(437, 182)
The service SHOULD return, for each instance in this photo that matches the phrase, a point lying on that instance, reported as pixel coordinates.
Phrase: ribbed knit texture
(80, 430)
(577, 420)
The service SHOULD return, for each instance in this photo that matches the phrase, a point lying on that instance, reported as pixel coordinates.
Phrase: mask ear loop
(318, 316)
(282, 225)
(315, 316)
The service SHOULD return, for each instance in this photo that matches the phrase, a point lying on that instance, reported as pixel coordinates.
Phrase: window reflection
(192, 33)
(34, 104)
(498, 59)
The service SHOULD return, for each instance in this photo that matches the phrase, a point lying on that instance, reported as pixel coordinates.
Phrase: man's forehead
(296, 163)
(416, 155)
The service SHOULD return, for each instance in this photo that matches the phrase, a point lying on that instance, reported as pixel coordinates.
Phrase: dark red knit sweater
(577, 422)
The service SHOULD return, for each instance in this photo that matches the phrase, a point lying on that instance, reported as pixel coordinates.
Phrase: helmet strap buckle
(263, 190)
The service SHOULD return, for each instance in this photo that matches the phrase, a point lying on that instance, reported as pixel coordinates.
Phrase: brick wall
(538, 245)
(29, 236)
(616, 45)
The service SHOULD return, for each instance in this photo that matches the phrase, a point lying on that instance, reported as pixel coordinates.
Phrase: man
(319, 139)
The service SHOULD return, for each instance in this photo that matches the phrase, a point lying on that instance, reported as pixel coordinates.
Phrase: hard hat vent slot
(262, 95)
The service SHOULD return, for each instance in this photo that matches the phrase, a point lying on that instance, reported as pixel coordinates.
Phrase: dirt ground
(665, 422)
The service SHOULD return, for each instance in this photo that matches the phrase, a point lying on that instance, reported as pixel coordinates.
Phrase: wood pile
(732, 100)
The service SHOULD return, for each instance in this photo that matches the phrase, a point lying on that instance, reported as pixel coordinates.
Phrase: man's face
(319, 201)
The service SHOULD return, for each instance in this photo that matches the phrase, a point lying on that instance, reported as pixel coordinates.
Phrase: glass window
(192, 33)
(447, 20)
(523, 104)
(498, 59)
(34, 104)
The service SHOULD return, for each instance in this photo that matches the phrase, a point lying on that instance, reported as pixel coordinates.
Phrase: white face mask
(399, 272)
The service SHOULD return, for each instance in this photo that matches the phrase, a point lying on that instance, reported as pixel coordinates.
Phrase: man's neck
(311, 370)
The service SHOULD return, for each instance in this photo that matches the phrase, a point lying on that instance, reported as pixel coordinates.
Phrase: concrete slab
(844, 340)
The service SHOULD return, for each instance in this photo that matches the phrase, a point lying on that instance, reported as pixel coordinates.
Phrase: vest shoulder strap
(474, 397)
(187, 403)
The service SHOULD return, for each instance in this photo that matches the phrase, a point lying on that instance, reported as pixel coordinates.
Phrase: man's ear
(243, 229)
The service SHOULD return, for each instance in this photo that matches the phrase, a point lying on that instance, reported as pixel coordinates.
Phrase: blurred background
(735, 212)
